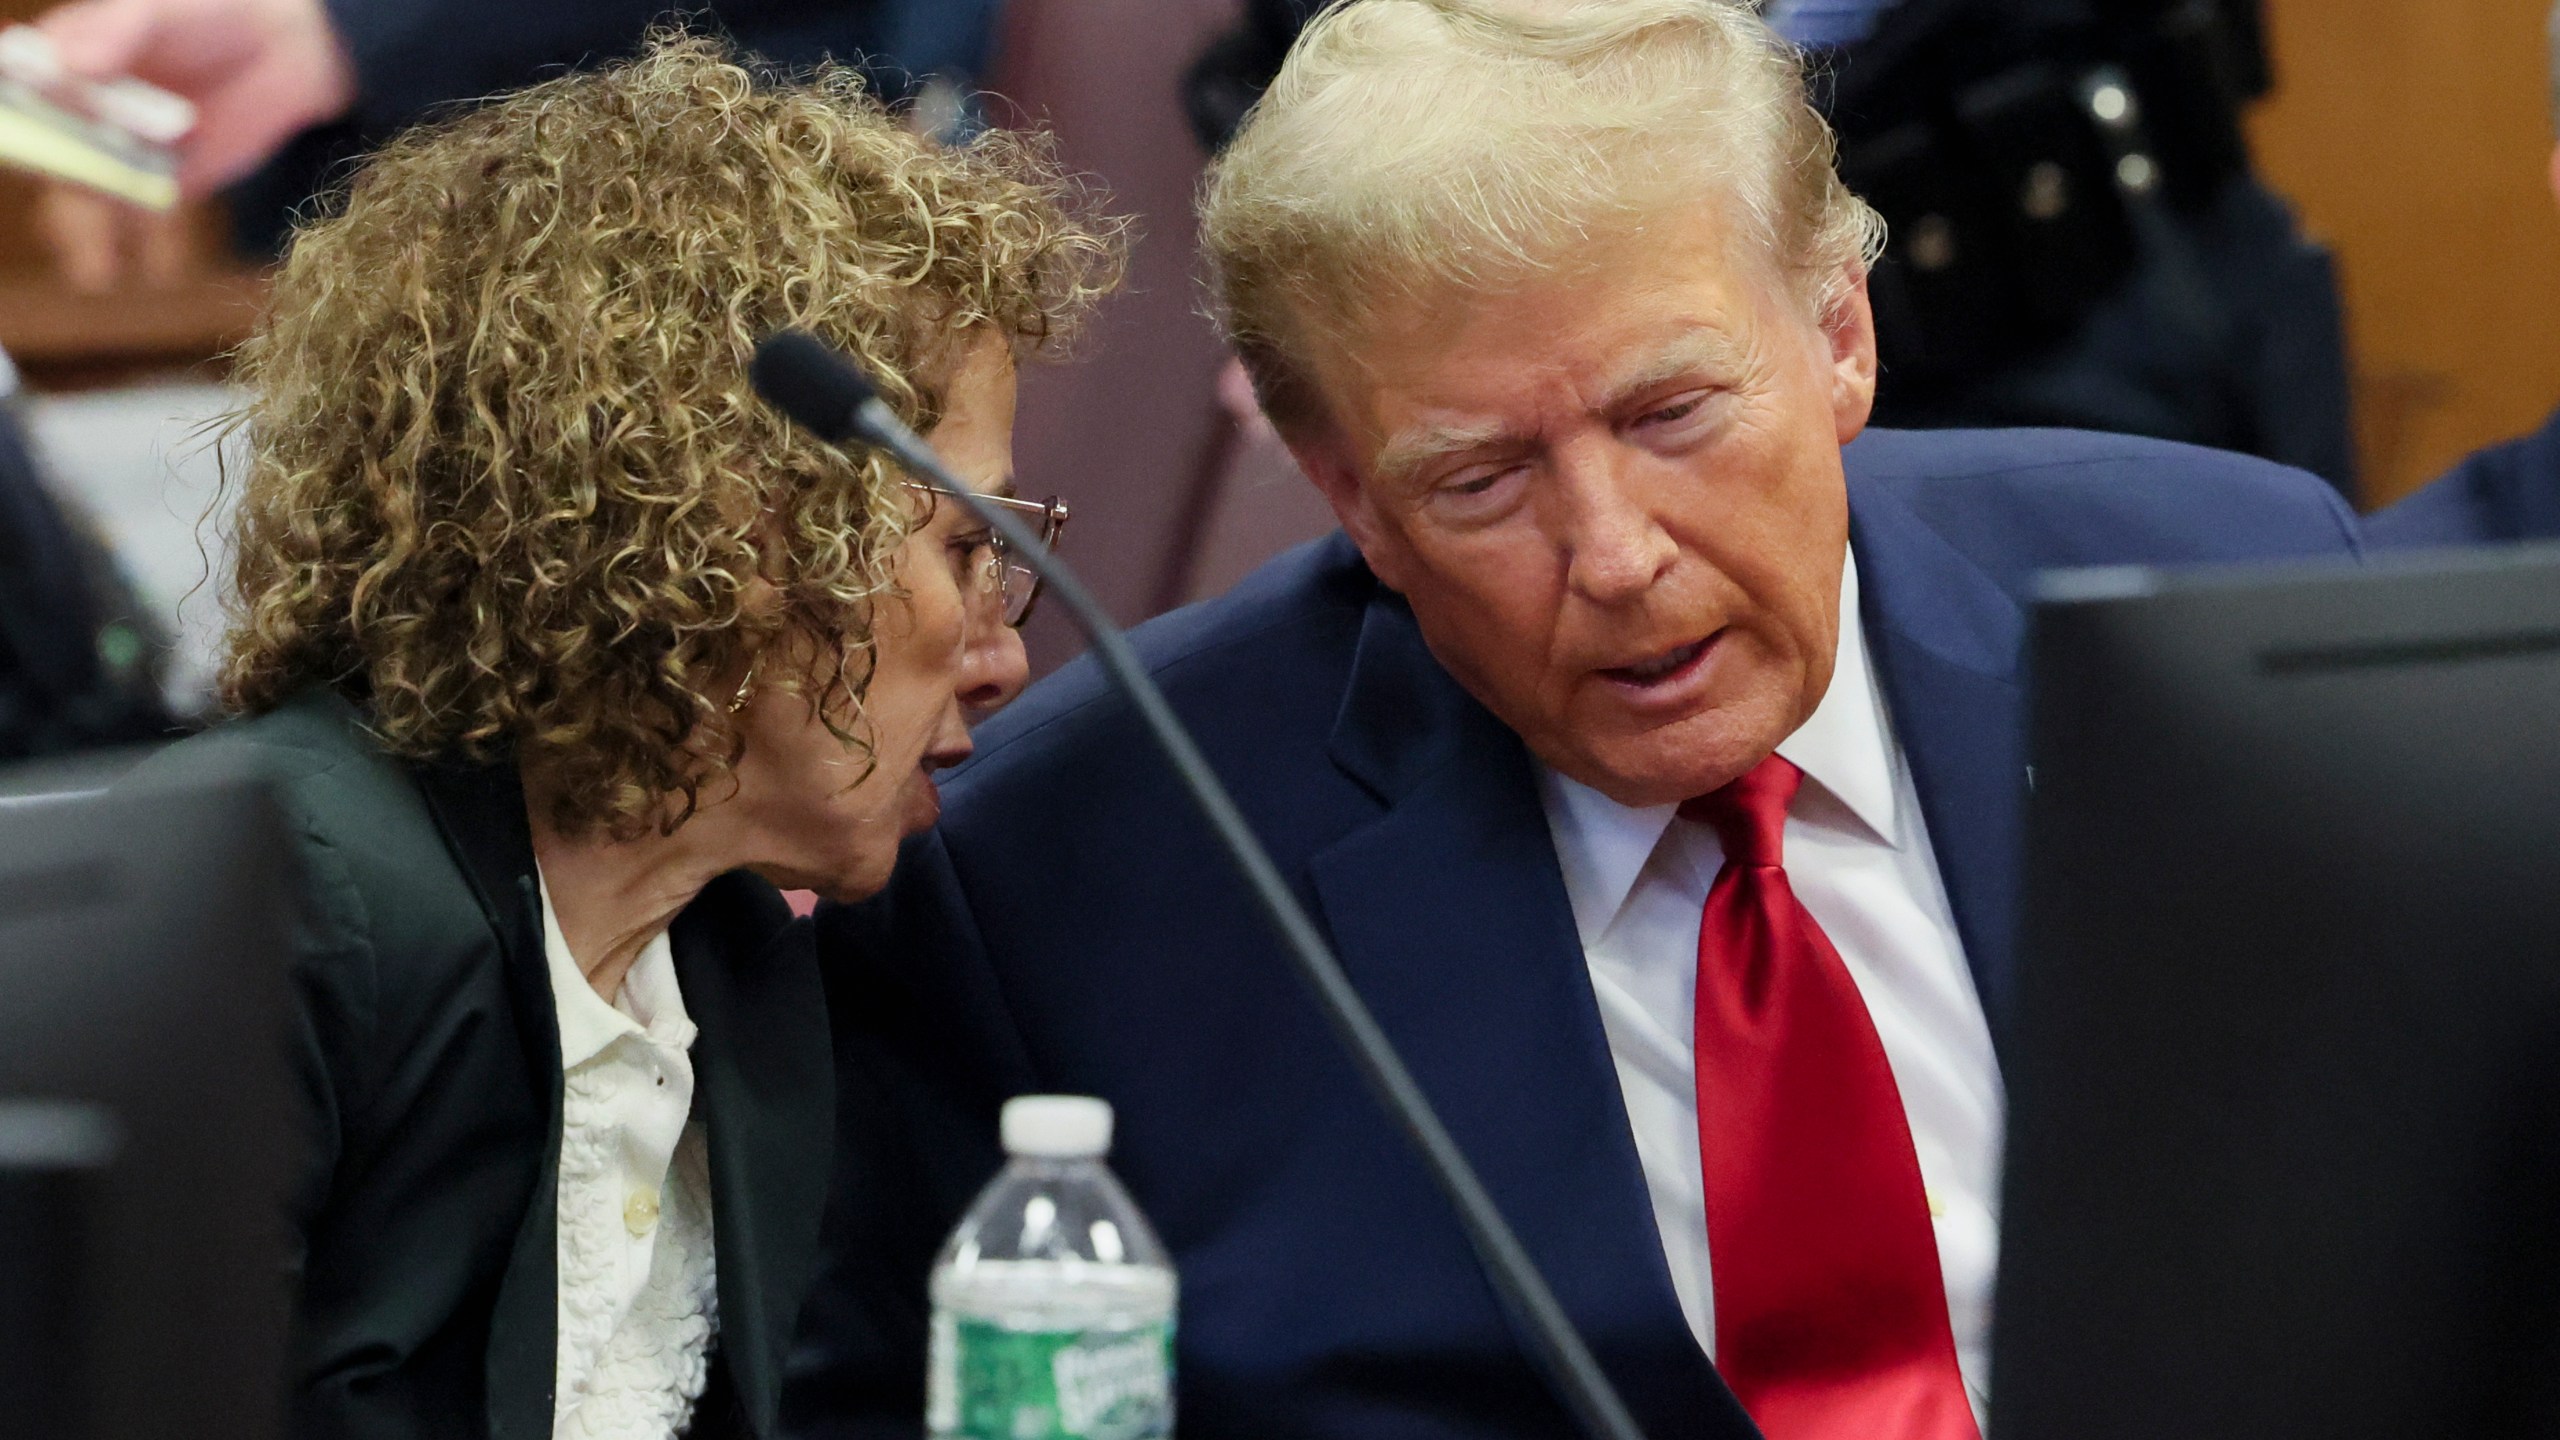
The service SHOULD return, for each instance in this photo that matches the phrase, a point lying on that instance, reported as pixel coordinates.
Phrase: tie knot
(1750, 814)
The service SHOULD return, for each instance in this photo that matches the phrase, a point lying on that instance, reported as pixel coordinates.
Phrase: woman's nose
(994, 667)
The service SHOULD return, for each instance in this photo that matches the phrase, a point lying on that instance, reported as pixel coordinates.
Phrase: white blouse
(638, 1297)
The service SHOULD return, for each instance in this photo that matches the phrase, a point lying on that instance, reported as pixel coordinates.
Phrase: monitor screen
(2284, 1066)
(144, 1131)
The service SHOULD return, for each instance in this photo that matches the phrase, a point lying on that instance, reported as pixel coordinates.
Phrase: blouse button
(640, 1212)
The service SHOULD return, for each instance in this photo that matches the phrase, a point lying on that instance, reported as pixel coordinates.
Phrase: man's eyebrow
(1701, 350)
(1416, 446)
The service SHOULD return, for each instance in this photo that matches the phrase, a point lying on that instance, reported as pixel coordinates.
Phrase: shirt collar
(650, 1008)
(1845, 748)
(1846, 745)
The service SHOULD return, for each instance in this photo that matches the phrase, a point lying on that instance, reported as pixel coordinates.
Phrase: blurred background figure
(78, 660)
(288, 91)
(2078, 237)
(2506, 492)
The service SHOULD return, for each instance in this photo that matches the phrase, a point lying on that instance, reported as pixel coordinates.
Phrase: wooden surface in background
(67, 341)
(2416, 138)
(19, 255)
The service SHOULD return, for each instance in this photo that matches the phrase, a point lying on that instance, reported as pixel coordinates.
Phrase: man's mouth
(1660, 668)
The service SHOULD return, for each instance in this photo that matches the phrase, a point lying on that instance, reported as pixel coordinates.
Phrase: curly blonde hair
(506, 485)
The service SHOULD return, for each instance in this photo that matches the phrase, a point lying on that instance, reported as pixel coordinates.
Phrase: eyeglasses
(1001, 576)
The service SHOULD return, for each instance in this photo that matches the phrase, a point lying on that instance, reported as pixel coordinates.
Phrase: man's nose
(1615, 548)
(994, 666)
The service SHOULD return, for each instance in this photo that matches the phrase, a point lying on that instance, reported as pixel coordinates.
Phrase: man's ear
(1323, 462)
(1850, 327)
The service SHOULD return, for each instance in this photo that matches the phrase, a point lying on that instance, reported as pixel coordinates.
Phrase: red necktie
(1831, 1311)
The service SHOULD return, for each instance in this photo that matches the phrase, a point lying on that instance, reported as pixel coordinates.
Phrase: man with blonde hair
(1650, 751)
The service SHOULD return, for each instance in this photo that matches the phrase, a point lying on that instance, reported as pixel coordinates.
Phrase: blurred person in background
(2505, 493)
(564, 652)
(289, 91)
(79, 665)
(2075, 235)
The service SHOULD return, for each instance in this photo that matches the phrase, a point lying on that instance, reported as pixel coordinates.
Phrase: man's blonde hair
(1410, 147)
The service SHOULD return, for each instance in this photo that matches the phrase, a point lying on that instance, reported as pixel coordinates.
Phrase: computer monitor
(144, 1134)
(2284, 1066)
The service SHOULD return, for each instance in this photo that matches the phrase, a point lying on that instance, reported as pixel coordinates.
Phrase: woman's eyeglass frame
(1016, 584)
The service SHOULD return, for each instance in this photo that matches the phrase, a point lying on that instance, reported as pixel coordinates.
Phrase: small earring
(746, 687)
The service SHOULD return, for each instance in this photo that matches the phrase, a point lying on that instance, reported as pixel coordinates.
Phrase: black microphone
(824, 393)
(830, 396)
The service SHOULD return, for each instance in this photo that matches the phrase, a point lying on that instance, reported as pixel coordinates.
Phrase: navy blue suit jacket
(2507, 492)
(1072, 927)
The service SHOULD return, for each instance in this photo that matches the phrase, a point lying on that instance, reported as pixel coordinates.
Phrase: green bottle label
(1053, 1384)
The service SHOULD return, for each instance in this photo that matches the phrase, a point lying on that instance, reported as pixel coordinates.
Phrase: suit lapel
(1946, 640)
(480, 809)
(765, 1089)
(1452, 920)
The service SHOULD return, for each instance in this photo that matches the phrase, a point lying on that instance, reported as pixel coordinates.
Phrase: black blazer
(427, 1046)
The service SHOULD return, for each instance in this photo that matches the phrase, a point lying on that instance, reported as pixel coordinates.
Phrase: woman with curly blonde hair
(565, 653)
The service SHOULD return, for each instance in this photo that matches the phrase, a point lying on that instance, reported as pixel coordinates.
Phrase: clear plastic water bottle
(1053, 1303)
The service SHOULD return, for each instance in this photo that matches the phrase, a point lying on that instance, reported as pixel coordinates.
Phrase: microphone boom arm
(1576, 1376)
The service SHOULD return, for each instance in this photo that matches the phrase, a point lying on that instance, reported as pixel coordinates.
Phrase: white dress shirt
(638, 1299)
(1858, 856)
